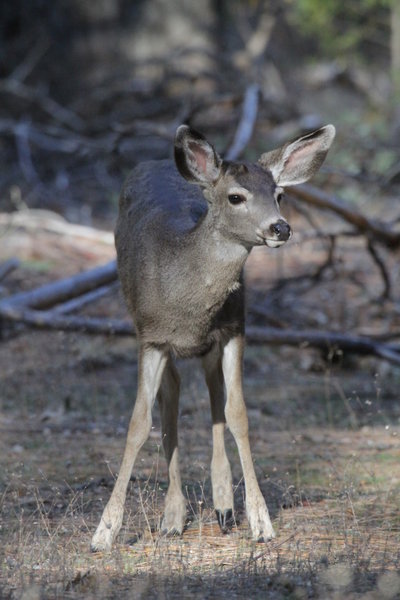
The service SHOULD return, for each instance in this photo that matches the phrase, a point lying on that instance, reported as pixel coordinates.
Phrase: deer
(184, 231)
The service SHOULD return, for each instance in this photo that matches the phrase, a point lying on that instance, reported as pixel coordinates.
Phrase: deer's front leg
(236, 417)
(221, 476)
(151, 366)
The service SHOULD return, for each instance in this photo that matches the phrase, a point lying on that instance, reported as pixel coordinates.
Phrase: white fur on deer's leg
(168, 397)
(221, 479)
(151, 366)
(221, 476)
(175, 505)
(236, 417)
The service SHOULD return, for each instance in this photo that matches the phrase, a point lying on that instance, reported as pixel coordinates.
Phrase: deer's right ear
(195, 157)
(297, 161)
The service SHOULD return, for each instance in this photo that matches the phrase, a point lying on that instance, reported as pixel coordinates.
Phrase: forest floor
(325, 439)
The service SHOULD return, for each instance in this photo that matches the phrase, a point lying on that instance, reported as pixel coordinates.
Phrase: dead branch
(54, 138)
(8, 266)
(49, 319)
(24, 153)
(314, 277)
(306, 214)
(382, 269)
(81, 301)
(26, 66)
(59, 291)
(246, 124)
(59, 113)
(33, 219)
(329, 261)
(255, 40)
(323, 340)
(377, 229)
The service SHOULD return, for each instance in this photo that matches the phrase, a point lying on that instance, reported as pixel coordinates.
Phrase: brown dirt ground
(325, 439)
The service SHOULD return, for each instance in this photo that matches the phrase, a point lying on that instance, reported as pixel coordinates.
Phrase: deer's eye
(279, 197)
(236, 199)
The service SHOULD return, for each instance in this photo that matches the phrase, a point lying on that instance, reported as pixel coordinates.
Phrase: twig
(55, 138)
(88, 298)
(27, 65)
(51, 107)
(255, 39)
(380, 231)
(318, 235)
(24, 153)
(8, 266)
(315, 276)
(246, 124)
(382, 268)
(330, 259)
(298, 207)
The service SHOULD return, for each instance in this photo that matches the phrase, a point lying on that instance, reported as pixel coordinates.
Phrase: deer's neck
(219, 260)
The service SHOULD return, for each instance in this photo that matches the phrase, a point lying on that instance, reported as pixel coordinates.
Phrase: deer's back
(157, 198)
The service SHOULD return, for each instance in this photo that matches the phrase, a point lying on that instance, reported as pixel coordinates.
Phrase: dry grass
(327, 451)
(346, 544)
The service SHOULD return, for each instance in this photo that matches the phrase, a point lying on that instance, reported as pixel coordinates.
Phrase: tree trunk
(395, 58)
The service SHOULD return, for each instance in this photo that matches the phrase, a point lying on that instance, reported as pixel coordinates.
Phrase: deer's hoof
(171, 532)
(174, 518)
(260, 523)
(103, 538)
(225, 519)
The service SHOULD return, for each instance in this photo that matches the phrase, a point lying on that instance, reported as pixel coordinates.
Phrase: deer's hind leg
(168, 397)
(221, 476)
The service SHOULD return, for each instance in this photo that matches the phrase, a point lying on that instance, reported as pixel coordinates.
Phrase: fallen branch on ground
(51, 320)
(45, 220)
(323, 340)
(81, 301)
(60, 291)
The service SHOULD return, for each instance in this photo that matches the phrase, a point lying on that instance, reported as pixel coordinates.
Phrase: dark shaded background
(88, 89)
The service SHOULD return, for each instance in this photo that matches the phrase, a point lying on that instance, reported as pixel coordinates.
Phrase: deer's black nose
(281, 230)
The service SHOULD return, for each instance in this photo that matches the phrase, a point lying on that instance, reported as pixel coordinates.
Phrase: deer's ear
(298, 161)
(195, 157)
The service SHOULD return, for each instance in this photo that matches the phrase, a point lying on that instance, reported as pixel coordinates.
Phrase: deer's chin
(274, 243)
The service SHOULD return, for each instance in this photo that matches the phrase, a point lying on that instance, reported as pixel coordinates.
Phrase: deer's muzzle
(277, 234)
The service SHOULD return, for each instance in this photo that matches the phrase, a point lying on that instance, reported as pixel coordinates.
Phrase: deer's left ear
(298, 161)
(196, 159)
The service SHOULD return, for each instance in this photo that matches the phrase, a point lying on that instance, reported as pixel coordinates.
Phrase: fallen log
(77, 303)
(60, 291)
(323, 340)
(33, 219)
(50, 320)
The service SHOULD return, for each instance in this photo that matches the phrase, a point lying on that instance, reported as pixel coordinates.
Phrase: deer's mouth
(271, 243)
